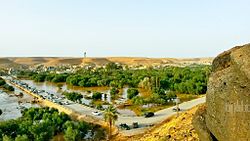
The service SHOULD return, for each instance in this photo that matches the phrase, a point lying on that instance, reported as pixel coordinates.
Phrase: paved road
(143, 122)
(158, 118)
(162, 114)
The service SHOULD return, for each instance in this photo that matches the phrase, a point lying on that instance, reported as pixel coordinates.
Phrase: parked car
(124, 126)
(96, 113)
(175, 109)
(148, 114)
(66, 103)
(135, 125)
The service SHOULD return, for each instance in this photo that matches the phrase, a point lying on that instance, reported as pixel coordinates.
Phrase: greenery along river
(86, 92)
(157, 87)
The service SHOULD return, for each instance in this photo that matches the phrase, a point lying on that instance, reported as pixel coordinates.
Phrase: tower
(85, 54)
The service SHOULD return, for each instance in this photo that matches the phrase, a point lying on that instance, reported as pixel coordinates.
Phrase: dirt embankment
(172, 129)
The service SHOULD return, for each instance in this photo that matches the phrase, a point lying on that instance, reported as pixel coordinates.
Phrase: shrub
(132, 92)
(8, 87)
(97, 96)
(2, 82)
(114, 91)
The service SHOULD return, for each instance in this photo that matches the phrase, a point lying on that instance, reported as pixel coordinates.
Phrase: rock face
(227, 115)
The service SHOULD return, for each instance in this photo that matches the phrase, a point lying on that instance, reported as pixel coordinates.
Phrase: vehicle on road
(176, 109)
(66, 103)
(96, 113)
(148, 114)
(124, 126)
(135, 125)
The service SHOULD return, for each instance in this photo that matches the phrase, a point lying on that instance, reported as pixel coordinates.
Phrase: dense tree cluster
(73, 96)
(189, 80)
(42, 124)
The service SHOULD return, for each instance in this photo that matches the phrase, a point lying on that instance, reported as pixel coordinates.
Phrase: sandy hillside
(172, 129)
(55, 61)
(31, 60)
(63, 61)
(96, 61)
(5, 62)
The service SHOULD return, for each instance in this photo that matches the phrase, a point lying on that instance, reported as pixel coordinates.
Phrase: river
(10, 106)
(58, 88)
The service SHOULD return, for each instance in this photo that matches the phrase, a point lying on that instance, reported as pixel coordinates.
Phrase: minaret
(85, 54)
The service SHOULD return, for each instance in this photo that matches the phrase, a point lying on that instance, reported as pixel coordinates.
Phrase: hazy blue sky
(150, 28)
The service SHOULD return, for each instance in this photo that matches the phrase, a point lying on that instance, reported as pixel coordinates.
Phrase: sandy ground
(55, 61)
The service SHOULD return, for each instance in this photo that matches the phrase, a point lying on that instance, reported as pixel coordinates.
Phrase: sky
(138, 28)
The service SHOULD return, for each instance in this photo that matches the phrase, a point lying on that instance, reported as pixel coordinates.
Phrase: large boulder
(228, 97)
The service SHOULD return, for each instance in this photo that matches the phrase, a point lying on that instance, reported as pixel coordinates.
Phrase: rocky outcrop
(200, 124)
(227, 116)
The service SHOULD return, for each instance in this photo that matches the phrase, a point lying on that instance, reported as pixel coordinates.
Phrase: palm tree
(1, 112)
(110, 116)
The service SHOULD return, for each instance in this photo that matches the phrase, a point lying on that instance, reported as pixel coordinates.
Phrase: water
(57, 89)
(10, 106)
(53, 88)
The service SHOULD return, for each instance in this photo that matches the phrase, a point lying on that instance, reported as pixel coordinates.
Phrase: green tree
(7, 138)
(114, 91)
(73, 96)
(39, 77)
(97, 96)
(22, 138)
(112, 66)
(137, 100)
(8, 87)
(132, 92)
(110, 116)
(59, 78)
(71, 134)
(2, 82)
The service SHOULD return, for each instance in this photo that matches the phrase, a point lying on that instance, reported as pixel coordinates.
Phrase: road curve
(143, 122)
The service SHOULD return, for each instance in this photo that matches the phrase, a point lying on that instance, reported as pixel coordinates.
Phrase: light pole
(177, 101)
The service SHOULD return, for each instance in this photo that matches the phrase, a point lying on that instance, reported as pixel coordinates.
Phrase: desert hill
(98, 61)
(6, 62)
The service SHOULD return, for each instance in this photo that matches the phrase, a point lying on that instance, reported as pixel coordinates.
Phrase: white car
(66, 103)
(96, 113)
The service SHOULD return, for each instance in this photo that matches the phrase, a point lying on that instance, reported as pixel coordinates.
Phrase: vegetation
(2, 82)
(110, 116)
(163, 83)
(5, 85)
(114, 91)
(132, 92)
(8, 87)
(41, 124)
(73, 96)
(97, 96)
(188, 80)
